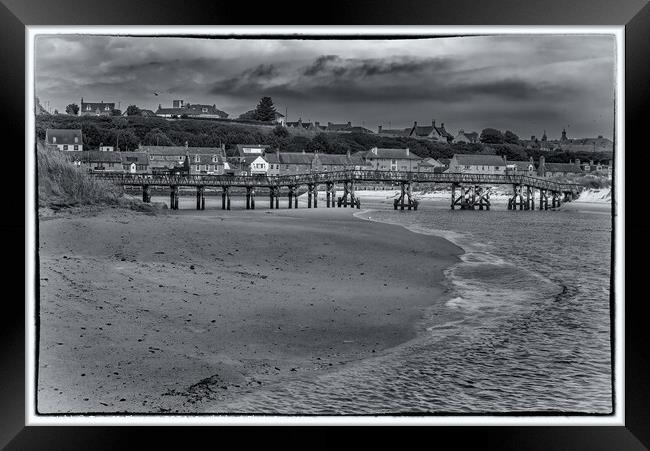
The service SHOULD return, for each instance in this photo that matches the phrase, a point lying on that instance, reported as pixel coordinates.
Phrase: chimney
(349, 124)
(591, 162)
(415, 123)
(186, 144)
(303, 151)
(379, 129)
(317, 124)
(374, 150)
(578, 161)
(442, 125)
(407, 151)
(348, 153)
(530, 159)
(532, 137)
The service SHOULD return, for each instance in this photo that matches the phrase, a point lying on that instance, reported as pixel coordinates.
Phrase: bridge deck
(337, 177)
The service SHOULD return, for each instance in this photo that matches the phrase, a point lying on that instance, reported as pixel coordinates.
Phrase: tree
(491, 136)
(72, 109)
(155, 137)
(510, 137)
(116, 112)
(133, 110)
(265, 111)
(280, 131)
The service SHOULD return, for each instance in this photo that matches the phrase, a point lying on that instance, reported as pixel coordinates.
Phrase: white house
(64, 139)
(477, 164)
(106, 148)
(255, 165)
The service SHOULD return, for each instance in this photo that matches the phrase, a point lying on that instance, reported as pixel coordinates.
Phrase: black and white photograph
(406, 224)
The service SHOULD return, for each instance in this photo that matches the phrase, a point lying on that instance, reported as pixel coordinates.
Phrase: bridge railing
(336, 177)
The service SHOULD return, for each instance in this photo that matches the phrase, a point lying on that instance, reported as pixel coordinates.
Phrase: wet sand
(174, 312)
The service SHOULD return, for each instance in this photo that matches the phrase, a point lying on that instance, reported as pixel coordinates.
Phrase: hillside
(127, 132)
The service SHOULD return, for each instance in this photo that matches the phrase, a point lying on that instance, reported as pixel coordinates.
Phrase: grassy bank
(62, 185)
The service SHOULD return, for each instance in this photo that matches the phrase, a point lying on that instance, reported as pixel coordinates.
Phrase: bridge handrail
(335, 176)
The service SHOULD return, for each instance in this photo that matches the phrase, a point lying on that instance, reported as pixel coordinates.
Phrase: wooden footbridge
(468, 191)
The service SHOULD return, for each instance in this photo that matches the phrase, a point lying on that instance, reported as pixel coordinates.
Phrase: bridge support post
(295, 197)
(532, 198)
(328, 193)
(276, 192)
(146, 197)
(227, 189)
(200, 197)
(173, 198)
(248, 198)
(271, 190)
(453, 195)
(223, 197)
(409, 194)
(290, 197)
(252, 198)
(315, 195)
(527, 204)
(310, 193)
(353, 197)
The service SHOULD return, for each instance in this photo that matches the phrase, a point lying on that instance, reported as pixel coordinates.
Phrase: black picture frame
(16, 14)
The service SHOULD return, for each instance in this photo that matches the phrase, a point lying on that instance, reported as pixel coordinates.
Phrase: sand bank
(167, 313)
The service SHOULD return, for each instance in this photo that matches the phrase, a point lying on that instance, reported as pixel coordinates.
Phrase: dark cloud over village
(523, 83)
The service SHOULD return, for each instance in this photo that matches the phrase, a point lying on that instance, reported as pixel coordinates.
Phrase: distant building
(255, 164)
(180, 108)
(64, 139)
(391, 159)
(398, 132)
(96, 108)
(247, 150)
(106, 148)
(466, 137)
(201, 160)
(282, 163)
(134, 162)
(477, 164)
(560, 169)
(431, 132)
(522, 167)
(331, 127)
(97, 160)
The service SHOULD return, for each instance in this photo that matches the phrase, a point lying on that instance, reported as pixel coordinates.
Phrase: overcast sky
(522, 83)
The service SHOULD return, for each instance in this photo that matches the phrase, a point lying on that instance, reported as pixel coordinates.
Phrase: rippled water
(529, 328)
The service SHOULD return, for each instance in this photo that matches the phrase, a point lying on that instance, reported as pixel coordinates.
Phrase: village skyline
(462, 82)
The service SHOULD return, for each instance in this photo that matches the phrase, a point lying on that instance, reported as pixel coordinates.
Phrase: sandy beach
(168, 313)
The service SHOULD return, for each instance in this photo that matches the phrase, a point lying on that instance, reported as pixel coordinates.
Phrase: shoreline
(136, 280)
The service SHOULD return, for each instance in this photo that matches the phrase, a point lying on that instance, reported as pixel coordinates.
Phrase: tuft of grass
(61, 183)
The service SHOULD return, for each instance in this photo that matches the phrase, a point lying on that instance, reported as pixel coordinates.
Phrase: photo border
(637, 24)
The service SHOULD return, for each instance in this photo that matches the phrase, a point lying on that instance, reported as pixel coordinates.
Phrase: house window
(496, 167)
(197, 168)
(151, 157)
(65, 147)
(180, 159)
(467, 166)
(76, 147)
(106, 108)
(214, 158)
(205, 110)
(76, 139)
(87, 107)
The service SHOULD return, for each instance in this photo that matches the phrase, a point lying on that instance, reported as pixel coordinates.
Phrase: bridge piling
(271, 198)
(315, 196)
(174, 197)
(146, 197)
(310, 192)
(223, 197)
(290, 195)
(200, 197)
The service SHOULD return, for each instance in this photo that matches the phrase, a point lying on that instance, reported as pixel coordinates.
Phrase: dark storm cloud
(523, 82)
(335, 66)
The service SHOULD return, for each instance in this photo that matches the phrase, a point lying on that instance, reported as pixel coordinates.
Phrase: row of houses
(261, 159)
